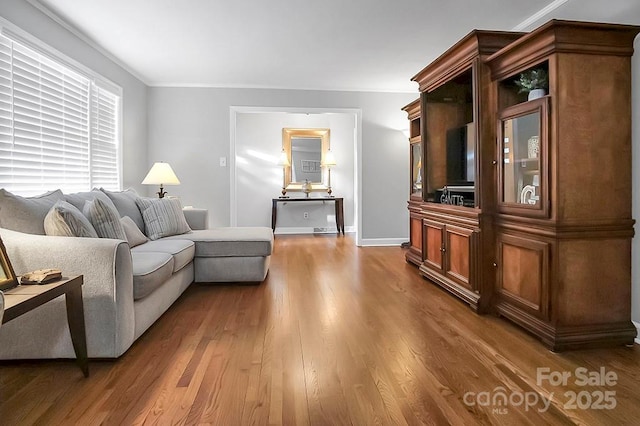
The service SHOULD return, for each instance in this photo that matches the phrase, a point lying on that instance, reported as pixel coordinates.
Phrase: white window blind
(58, 128)
(104, 139)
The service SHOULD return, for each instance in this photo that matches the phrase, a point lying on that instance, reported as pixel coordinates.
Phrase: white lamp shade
(329, 159)
(284, 159)
(161, 174)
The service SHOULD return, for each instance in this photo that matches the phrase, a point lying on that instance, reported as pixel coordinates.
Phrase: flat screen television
(461, 160)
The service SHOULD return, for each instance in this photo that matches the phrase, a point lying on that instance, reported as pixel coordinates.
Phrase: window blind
(104, 139)
(58, 128)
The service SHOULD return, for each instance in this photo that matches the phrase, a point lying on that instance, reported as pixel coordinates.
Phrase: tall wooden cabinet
(458, 119)
(563, 224)
(526, 203)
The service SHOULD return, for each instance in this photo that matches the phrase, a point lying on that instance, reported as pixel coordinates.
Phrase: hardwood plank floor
(336, 335)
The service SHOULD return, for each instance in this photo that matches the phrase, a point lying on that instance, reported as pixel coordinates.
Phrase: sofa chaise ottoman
(230, 254)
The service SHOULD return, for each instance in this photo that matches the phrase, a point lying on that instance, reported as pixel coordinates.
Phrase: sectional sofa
(127, 286)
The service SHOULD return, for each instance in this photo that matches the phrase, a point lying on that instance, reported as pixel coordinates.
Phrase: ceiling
(368, 45)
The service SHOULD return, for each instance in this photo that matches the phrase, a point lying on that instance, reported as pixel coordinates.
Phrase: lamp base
(162, 192)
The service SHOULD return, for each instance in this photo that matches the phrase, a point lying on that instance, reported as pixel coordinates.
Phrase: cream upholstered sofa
(125, 289)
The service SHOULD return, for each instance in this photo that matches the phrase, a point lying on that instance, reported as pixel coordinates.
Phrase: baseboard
(381, 242)
(637, 339)
(311, 230)
(293, 230)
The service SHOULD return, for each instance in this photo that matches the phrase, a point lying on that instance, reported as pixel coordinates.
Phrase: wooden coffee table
(24, 298)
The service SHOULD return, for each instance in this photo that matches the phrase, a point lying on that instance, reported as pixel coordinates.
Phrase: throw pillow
(105, 219)
(162, 217)
(66, 220)
(79, 198)
(125, 203)
(26, 214)
(135, 237)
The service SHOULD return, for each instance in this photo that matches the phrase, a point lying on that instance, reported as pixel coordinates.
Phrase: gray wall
(39, 25)
(190, 128)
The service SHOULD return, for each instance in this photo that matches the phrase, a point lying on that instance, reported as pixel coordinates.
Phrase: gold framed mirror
(306, 150)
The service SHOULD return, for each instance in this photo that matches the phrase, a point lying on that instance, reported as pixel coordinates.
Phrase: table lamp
(284, 162)
(329, 160)
(162, 174)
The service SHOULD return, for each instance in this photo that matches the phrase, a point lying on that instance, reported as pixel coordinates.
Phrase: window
(58, 127)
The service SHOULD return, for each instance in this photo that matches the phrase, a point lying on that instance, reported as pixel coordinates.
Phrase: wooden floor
(335, 335)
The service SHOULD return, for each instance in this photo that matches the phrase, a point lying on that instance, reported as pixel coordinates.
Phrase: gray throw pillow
(135, 237)
(79, 198)
(125, 202)
(66, 220)
(26, 214)
(105, 219)
(162, 217)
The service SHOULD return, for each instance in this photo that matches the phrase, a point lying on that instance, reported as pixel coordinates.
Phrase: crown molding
(527, 23)
(86, 39)
(268, 87)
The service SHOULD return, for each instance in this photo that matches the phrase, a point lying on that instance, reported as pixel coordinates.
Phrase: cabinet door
(523, 277)
(415, 227)
(433, 244)
(523, 186)
(416, 170)
(459, 263)
(414, 255)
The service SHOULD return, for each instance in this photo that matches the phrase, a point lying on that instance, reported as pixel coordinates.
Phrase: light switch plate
(223, 161)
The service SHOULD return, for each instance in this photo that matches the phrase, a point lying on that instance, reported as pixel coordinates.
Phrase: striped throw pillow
(105, 219)
(162, 217)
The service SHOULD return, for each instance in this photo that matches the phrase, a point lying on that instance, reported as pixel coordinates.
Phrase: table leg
(274, 214)
(75, 318)
(339, 215)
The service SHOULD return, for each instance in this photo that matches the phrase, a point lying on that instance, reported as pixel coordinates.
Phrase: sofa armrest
(107, 291)
(196, 218)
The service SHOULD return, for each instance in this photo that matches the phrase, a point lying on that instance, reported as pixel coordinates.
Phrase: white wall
(190, 128)
(39, 25)
(258, 144)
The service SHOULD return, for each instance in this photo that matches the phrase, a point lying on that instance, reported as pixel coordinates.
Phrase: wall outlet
(306, 215)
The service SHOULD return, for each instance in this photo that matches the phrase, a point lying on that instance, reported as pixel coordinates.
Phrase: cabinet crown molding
(559, 36)
(478, 43)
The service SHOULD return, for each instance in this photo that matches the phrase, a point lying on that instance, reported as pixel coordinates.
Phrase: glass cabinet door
(416, 170)
(523, 173)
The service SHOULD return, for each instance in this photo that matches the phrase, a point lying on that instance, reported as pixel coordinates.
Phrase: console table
(338, 202)
(24, 298)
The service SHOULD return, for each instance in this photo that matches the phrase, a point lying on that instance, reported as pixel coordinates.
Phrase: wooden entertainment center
(521, 205)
